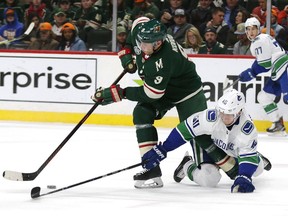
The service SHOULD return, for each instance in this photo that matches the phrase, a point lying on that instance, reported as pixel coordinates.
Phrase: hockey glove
(108, 95)
(246, 75)
(153, 157)
(242, 184)
(127, 60)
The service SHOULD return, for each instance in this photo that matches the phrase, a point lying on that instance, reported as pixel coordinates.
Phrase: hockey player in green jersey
(169, 80)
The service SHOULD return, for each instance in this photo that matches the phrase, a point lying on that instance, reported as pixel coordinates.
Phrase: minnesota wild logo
(157, 28)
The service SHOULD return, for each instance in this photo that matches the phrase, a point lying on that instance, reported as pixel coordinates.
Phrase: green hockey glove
(108, 95)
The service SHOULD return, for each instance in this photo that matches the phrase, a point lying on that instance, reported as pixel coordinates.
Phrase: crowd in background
(200, 26)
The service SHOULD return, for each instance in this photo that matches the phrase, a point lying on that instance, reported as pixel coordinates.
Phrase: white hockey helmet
(252, 22)
(232, 102)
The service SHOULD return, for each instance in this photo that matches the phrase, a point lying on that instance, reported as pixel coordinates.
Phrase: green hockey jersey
(167, 73)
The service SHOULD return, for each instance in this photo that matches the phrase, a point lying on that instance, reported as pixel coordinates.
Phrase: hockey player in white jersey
(270, 56)
(231, 130)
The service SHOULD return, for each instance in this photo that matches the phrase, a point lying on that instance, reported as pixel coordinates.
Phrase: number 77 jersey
(270, 55)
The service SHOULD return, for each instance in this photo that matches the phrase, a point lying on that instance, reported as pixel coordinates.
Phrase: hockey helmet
(138, 21)
(232, 102)
(252, 22)
(151, 32)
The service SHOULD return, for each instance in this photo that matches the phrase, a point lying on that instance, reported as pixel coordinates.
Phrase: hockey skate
(179, 172)
(148, 178)
(267, 163)
(277, 128)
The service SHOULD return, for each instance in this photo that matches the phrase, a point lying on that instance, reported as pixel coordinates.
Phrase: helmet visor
(146, 47)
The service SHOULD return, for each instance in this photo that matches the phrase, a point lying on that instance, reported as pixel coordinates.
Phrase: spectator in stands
(259, 12)
(13, 28)
(158, 3)
(60, 18)
(283, 17)
(201, 14)
(193, 41)
(87, 19)
(15, 5)
(33, 17)
(49, 4)
(211, 46)
(282, 38)
(281, 32)
(242, 47)
(232, 38)
(272, 32)
(218, 24)
(44, 39)
(184, 4)
(231, 9)
(274, 24)
(70, 40)
(123, 14)
(121, 36)
(143, 7)
(166, 15)
(68, 8)
(36, 6)
(180, 27)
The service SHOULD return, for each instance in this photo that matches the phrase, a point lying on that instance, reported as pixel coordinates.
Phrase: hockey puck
(51, 186)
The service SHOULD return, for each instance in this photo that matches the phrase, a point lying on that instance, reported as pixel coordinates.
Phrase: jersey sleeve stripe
(189, 129)
(184, 131)
(152, 92)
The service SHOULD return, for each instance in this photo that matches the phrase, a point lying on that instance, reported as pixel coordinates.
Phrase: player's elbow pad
(257, 69)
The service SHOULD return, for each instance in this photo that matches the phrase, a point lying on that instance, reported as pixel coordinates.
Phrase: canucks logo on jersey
(247, 127)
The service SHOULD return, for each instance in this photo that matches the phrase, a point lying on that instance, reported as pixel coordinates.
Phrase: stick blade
(225, 83)
(29, 29)
(12, 175)
(18, 176)
(35, 192)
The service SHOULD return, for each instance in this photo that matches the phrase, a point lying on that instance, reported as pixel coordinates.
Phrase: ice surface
(97, 150)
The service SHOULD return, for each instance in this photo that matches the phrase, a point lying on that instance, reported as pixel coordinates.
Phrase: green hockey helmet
(151, 32)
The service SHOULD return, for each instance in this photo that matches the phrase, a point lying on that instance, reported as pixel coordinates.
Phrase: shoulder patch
(211, 115)
(247, 127)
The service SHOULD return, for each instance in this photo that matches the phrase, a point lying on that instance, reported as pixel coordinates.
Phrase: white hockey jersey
(238, 140)
(241, 139)
(270, 55)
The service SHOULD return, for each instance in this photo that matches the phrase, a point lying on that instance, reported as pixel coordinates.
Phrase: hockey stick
(26, 33)
(19, 176)
(35, 192)
(232, 84)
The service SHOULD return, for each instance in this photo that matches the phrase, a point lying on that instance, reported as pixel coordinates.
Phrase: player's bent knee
(208, 176)
(265, 98)
(143, 114)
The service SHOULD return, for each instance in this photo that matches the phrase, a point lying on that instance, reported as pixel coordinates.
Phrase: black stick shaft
(74, 130)
(35, 192)
(232, 84)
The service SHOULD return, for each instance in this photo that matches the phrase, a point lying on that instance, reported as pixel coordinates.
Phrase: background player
(170, 80)
(270, 56)
(231, 129)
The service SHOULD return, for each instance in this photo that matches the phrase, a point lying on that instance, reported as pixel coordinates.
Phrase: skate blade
(277, 134)
(150, 183)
